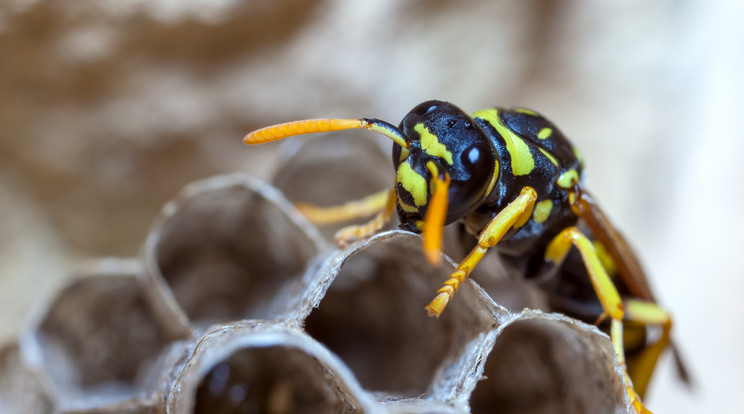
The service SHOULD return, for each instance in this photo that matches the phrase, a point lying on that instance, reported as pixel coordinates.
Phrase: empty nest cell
(225, 248)
(99, 337)
(546, 363)
(373, 316)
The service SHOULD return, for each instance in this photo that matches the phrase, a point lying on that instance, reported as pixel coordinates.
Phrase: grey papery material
(237, 296)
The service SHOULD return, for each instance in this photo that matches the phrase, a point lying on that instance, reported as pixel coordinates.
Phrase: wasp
(513, 180)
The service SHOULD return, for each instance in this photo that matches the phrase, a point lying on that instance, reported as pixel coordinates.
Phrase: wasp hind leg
(647, 314)
(514, 215)
(607, 294)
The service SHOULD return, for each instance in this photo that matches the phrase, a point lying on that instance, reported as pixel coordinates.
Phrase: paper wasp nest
(238, 304)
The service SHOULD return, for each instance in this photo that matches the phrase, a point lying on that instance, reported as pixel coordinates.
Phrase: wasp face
(444, 143)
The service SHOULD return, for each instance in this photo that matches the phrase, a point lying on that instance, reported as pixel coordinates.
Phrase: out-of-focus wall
(108, 108)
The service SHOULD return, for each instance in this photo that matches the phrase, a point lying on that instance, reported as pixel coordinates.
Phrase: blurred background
(108, 108)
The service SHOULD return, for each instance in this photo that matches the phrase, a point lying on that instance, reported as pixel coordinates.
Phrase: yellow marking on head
(404, 153)
(542, 211)
(413, 182)
(550, 157)
(526, 111)
(544, 133)
(431, 145)
(407, 207)
(420, 224)
(522, 162)
(568, 179)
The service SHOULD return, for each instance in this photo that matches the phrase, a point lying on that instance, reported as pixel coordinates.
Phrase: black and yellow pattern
(514, 181)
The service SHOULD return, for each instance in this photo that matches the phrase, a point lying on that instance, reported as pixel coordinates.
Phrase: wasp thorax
(441, 132)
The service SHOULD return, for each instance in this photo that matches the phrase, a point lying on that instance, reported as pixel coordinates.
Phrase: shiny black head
(445, 141)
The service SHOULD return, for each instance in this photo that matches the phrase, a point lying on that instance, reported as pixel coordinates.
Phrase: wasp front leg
(350, 233)
(605, 289)
(513, 215)
(351, 210)
(382, 203)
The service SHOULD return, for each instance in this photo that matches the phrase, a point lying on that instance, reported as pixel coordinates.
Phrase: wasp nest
(238, 304)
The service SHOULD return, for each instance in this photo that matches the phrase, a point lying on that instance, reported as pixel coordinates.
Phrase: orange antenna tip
(308, 126)
(311, 126)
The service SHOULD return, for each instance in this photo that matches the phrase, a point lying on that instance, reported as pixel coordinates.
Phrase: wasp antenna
(308, 126)
(311, 126)
(388, 130)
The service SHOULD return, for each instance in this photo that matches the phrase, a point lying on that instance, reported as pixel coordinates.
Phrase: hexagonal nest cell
(264, 367)
(99, 338)
(238, 304)
(225, 248)
(539, 364)
(373, 316)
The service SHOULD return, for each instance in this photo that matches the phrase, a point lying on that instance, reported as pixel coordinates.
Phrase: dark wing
(628, 268)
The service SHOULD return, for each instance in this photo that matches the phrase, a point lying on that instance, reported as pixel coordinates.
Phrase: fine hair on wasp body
(512, 179)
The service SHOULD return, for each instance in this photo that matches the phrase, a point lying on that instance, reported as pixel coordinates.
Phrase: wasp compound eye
(425, 107)
(465, 194)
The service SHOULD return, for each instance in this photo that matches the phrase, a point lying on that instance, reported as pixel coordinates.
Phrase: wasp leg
(608, 295)
(350, 233)
(513, 215)
(348, 211)
(643, 365)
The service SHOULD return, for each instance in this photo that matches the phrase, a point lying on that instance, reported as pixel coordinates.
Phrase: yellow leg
(350, 233)
(612, 305)
(643, 365)
(510, 216)
(348, 211)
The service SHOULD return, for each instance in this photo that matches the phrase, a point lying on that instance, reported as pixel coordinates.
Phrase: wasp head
(445, 163)
(445, 146)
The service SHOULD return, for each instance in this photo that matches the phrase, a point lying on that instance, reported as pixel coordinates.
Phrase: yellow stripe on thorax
(544, 133)
(413, 182)
(568, 179)
(431, 145)
(578, 155)
(550, 156)
(522, 162)
(526, 111)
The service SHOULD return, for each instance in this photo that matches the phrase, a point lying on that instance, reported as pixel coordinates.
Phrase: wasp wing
(626, 261)
(628, 267)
